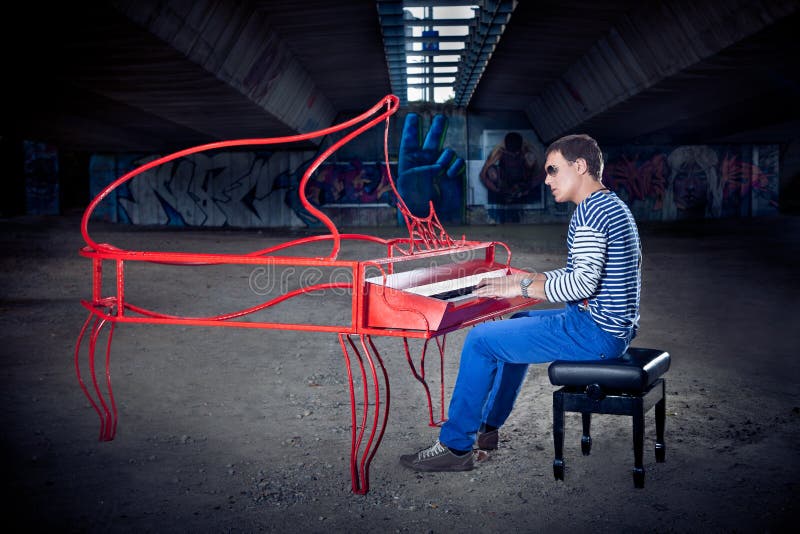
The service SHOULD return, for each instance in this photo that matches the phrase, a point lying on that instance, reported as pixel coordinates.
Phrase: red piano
(422, 287)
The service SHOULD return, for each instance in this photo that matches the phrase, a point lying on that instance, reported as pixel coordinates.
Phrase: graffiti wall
(662, 183)
(695, 181)
(430, 170)
(234, 189)
(41, 178)
(353, 184)
(260, 189)
(505, 184)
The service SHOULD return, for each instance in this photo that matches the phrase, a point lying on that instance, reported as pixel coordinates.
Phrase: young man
(599, 285)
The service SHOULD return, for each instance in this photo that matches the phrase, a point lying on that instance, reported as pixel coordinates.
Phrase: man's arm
(588, 259)
(484, 174)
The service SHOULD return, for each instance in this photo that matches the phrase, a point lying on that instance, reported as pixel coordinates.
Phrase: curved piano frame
(380, 306)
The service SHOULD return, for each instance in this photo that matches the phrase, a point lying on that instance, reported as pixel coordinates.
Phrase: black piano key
(447, 295)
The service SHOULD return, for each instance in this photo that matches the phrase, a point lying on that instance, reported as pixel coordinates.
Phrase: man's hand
(506, 287)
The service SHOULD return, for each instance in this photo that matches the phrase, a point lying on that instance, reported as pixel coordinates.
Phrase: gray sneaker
(487, 441)
(437, 458)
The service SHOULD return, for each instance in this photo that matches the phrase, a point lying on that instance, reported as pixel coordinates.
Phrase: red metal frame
(375, 309)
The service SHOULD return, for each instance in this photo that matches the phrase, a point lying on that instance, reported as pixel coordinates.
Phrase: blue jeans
(495, 358)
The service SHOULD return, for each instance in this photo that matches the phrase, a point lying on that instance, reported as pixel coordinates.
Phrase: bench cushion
(634, 371)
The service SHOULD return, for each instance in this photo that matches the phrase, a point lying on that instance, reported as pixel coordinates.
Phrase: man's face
(562, 177)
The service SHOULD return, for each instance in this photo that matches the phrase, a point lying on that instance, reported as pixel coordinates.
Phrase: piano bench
(628, 385)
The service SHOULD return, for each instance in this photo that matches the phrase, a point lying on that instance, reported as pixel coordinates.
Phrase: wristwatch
(524, 285)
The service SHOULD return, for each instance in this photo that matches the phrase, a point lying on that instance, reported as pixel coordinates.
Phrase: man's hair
(513, 142)
(577, 146)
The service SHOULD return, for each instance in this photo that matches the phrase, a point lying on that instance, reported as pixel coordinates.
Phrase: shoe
(437, 458)
(487, 441)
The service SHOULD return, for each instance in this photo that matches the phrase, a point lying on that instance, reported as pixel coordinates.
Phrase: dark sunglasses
(552, 170)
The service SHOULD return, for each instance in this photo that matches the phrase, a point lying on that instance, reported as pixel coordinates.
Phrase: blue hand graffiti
(427, 173)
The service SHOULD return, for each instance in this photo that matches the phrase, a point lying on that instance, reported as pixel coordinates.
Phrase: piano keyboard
(454, 290)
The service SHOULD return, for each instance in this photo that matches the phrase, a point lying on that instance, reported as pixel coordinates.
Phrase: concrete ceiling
(158, 76)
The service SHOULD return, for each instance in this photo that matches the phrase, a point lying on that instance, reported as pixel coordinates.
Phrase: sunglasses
(552, 170)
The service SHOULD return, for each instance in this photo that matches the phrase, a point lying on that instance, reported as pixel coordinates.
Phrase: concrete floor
(232, 430)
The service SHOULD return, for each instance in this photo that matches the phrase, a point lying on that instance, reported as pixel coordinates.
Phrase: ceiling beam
(235, 44)
(483, 38)
(653, 43)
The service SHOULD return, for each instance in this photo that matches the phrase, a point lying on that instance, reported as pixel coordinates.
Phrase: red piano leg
(361, 453)
(440, 344)
(106, 411)
(420, 376)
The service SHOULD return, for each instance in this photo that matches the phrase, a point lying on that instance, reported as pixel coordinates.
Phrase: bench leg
(586, 439)
(558, 434)
(661, 412)
(638, 443)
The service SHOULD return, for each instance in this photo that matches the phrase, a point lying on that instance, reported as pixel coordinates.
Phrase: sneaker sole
(434, 469)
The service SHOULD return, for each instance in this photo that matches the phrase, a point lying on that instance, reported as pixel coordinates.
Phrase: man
(509, 172)
(599, 285)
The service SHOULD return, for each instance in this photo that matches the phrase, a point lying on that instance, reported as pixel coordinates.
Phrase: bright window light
(421, 68)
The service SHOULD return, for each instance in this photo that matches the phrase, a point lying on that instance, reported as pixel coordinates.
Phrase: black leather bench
(629, 385)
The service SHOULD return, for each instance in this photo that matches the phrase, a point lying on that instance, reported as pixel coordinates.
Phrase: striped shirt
(603, 264)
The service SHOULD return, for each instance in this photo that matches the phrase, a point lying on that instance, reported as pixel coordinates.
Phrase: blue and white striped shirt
(603, 264)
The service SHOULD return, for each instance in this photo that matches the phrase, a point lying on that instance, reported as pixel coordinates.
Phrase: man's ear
(581, 165)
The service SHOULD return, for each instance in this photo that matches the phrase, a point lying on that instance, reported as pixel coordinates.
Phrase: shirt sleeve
(588, 259)
(555, 273)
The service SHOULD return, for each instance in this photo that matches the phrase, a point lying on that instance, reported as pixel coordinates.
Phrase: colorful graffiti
(259, 189)
(695, 181)
(428, 172)
(353, 183)
(234, 189)
(744, 182)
